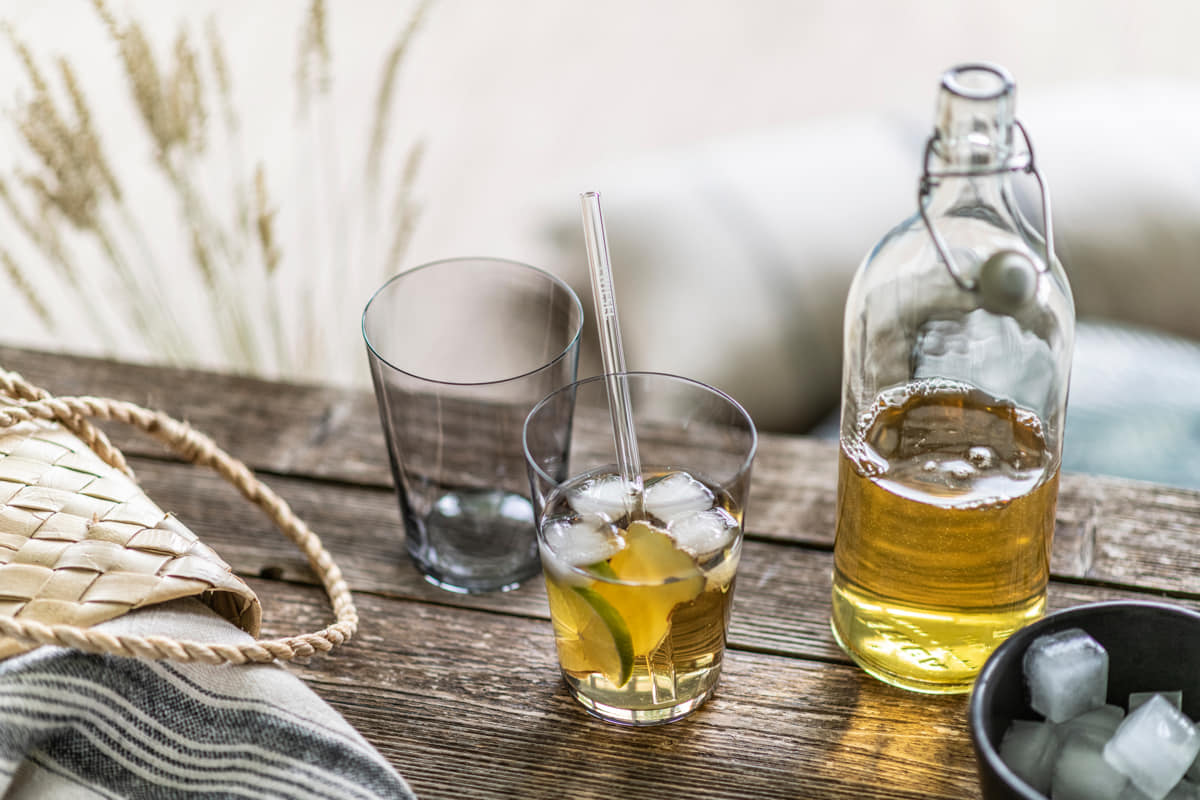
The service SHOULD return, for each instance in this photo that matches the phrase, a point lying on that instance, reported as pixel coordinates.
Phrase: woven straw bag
(81, 543)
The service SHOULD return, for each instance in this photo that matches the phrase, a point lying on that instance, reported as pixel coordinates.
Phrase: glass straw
(619, 405)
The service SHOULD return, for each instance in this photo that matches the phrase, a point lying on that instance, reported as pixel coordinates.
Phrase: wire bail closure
(1005, 261)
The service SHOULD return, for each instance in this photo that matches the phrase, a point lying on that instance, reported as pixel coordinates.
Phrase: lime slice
(665, 577)
(591, 635)
(602, 569)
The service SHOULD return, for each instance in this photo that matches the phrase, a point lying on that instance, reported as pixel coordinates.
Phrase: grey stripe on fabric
(126, 728)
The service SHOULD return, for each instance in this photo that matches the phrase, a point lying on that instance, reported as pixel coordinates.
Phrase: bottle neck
(974, 120)
(972, 145)
(992, 190)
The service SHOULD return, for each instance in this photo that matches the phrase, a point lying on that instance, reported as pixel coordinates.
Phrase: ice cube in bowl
(1154, 746)
(1067, 673)
(1152, 646)
(1082, 773)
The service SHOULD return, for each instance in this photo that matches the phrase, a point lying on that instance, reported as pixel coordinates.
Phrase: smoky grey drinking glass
(460, 350)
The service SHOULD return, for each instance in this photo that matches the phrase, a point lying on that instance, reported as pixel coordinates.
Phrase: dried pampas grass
(98, 267)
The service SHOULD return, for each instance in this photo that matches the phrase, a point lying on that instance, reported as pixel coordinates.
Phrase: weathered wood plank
(468, 704)
(782, 595)
(332, 433)
(1123, 532)
(291, 428)
(462, 692)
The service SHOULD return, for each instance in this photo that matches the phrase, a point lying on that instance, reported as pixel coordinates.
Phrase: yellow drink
(944, 522)
(640, 607)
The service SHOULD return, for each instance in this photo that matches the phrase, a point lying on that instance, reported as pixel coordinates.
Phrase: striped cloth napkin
(74, 725)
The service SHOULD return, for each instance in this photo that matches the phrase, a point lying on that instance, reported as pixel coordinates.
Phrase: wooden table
(462, 693)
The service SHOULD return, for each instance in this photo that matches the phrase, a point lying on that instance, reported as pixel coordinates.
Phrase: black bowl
(1151, 646)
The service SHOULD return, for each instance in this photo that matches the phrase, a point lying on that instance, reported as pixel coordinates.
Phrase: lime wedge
(602, 569)
(591, 635)
(665, 577)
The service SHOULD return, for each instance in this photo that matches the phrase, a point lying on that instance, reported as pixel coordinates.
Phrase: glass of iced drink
(640, 579)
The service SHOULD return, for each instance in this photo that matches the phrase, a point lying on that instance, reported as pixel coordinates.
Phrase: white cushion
(732, 258)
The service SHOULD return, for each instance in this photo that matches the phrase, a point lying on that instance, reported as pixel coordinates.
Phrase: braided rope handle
(73, 413)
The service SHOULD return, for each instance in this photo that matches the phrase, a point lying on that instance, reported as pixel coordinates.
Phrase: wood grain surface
(462, 692)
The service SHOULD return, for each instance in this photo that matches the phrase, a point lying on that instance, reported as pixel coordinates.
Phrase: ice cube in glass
(703, 532)
(676, 495)
(580, 542)
(606, 494)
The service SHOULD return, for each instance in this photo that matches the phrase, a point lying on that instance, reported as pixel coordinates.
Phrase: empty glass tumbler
(460, 350)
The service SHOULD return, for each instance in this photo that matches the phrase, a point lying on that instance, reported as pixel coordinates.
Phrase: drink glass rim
(570, 345)
(533, 464)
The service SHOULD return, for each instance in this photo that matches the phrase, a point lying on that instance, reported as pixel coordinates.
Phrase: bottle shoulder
(969, 236)
(903, 282)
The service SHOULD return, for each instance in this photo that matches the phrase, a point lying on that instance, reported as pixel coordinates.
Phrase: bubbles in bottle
(982, 457)
(959, 471)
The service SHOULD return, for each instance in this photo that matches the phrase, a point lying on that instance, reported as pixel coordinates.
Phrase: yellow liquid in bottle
(944, 523)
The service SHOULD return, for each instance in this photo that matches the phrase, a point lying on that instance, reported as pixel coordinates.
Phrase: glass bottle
(959, 332)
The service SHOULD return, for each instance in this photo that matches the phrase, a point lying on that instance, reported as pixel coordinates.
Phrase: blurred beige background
(522, 104)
